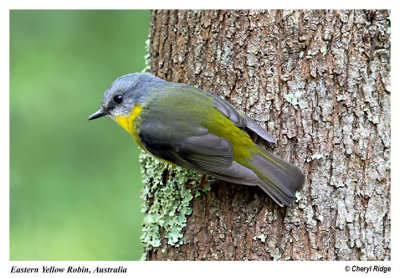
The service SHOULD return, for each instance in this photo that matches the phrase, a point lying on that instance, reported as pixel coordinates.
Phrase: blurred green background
(75, 185)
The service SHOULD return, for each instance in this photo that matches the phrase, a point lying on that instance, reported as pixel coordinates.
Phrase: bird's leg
(203, 182)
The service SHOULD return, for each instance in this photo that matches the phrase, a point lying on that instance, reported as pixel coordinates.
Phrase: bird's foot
(203, 182)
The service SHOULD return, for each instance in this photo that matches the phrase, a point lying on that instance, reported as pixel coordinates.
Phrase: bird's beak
(97, 114)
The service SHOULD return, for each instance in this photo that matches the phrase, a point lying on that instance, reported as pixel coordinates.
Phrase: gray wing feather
(251, 124)
(206, 153)
(236, 173)
(213, 155)
(239, 119)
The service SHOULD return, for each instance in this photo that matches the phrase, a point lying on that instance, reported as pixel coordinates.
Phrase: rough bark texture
(319, 81)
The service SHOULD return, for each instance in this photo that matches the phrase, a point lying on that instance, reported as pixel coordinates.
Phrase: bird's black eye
(118, 99)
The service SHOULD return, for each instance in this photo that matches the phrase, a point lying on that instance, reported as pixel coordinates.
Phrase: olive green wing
(200, 151)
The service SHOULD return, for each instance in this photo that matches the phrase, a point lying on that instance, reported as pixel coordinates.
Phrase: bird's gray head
(125, 93)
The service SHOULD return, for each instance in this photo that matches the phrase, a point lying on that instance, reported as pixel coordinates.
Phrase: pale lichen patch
(167, 201)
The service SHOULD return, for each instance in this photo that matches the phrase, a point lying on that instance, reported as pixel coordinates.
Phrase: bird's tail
(277, 178)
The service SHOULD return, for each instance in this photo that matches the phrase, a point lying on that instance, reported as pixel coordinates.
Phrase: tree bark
(319, 81)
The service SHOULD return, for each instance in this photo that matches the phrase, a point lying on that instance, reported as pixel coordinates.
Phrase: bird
(197, 130)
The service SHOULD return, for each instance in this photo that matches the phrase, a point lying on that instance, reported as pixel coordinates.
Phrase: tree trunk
(319, 81)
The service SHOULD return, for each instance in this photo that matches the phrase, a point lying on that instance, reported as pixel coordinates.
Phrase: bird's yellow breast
(129, 123)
